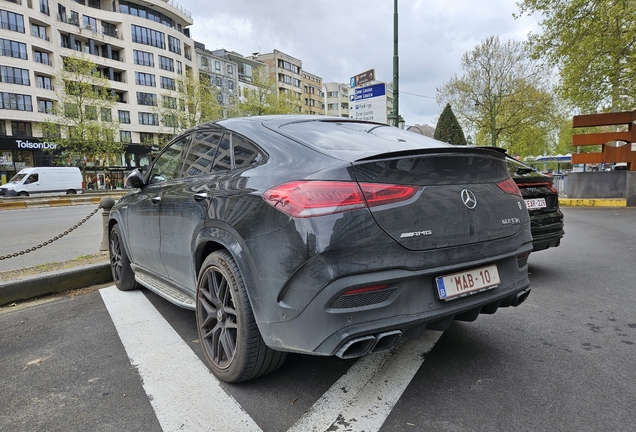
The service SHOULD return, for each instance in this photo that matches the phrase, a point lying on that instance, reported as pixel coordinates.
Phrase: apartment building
(286, 71)
(313, 100)
(246, 68)
(222, 73)
(336, 99)
(140, 46)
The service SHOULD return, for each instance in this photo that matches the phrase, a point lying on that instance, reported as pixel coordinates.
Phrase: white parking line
(181, 389)
(363, 398)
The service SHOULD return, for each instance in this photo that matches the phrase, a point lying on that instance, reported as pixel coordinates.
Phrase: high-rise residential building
(142, 47)
(222, 73)
(313, 101)
(286, 71)
(336, 99)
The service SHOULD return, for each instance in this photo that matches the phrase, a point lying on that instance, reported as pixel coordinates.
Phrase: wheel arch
(210, 240)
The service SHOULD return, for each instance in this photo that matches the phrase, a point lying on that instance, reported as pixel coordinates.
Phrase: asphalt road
(25, 228)
(105, 360)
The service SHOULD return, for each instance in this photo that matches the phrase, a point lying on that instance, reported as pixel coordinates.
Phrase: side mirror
(135, 179)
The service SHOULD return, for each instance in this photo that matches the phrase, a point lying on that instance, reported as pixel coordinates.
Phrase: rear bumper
(547, 230)
(328, 326)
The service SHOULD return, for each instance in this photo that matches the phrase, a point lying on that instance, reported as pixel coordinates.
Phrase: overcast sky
(336, 39)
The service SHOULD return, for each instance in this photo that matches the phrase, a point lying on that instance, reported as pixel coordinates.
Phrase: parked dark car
(542, 200)
(320, 235)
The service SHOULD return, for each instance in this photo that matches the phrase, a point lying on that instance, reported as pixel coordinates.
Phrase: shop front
(17, 153)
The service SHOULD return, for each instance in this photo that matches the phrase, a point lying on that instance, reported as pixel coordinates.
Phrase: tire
(231, 342)
(23, 194)
(123, 275)
(71, 192)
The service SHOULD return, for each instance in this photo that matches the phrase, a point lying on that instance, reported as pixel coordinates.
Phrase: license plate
(535, 203)
(461, 284)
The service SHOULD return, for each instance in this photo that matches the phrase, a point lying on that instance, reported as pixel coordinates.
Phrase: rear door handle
(156, 199)
(201, 196)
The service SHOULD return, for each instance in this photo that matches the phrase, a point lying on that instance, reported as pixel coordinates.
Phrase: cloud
(336, 39)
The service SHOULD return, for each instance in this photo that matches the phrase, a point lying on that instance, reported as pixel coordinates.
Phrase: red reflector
(366, 289)
(316, 198)
(509, 186)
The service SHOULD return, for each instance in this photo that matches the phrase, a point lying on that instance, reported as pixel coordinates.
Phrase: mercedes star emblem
(468, 198)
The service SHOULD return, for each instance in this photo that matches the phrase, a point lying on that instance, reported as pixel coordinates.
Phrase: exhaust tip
(520, 297)
(356, 347)
(386, 341)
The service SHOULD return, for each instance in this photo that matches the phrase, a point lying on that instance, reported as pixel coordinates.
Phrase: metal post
(396, 65)
(494, 121)
(107, 203)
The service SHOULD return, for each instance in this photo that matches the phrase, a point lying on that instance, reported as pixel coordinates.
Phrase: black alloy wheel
(123, 275)
(227, 329)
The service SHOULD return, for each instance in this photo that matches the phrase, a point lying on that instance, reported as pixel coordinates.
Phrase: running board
(166, 291)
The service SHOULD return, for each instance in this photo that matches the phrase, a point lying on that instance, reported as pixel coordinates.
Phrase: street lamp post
(394, 117)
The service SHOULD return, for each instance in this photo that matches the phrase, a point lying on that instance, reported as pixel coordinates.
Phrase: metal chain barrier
(48, 242)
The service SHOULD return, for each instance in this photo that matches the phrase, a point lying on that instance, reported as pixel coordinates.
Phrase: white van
(44, 180)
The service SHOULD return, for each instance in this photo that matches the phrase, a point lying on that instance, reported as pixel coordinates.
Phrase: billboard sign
(369, 103)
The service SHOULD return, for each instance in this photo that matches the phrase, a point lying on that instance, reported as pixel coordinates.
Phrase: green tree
(448, 128)
(83, 123)
(503, 95)
(263, 98)
(592, 44)
(192, 102)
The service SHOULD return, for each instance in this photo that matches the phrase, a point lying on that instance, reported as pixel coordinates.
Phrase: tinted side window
(245, 153)
(223, 160)
(168, 163)
(201, 153)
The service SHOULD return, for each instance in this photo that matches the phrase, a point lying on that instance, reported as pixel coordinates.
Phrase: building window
(42, 57)
(217, 65)
(168, 83)
(284, 78)
(13, 49)
(44, 7)
(145, 79)
(147, 138)
(296, 82)
(125, 136)
(148, 119)
(109, 29)
(13, 75)
(21, 128)
(332, 106)
(107, 115)
(174, 45)
(179, 67)
(89, 22)
(148, 99)
(144, 58)
(3, 128)
(148, 36)
(169, 102)
(124, 116)
(45, 106)
(13, 101)
(145, 12)
(39, 31)
(166, 63)
(11, 21)
(219, 97)
(230, 69)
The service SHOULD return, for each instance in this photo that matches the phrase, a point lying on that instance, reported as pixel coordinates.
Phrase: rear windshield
(351, 136)
(519, 170)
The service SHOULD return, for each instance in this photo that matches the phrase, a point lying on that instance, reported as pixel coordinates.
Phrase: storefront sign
(35, 145)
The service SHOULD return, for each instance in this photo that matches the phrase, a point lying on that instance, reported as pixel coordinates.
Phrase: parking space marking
(182, 390)
(363, 398)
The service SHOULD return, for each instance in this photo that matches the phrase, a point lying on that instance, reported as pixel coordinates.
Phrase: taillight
(366, 289)
(509, 186)
(316, 198)
(548, 185)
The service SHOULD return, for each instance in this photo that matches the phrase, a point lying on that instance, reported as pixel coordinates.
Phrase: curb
(54, 282)
(16, 204)
(593, 202)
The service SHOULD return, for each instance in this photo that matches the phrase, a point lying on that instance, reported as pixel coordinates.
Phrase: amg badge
(416, 234)
(511, 221)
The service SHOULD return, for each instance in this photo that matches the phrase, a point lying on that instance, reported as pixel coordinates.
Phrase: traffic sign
(362, 78)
